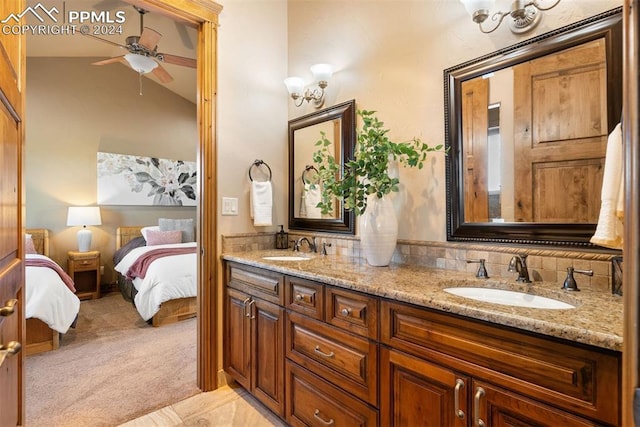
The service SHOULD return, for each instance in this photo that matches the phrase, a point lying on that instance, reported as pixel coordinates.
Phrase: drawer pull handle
(322, 353)
(9, 307)
(299, 297)
(345, 311)
(476, 408)
(316, 414)
(9, 350)
(459, 412)
(249, 314)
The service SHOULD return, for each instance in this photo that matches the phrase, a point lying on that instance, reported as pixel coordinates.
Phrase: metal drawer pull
(8, 308)
(9, 350)
(249, 315)
(345, 311)
(459, 412)
(316, 414)
(476, 408)
(322, 353)
(298, 297)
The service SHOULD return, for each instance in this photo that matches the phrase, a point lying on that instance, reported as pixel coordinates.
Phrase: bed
(167, 293)
(51, 306)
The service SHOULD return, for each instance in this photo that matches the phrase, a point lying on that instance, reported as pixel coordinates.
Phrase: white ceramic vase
(378, 231)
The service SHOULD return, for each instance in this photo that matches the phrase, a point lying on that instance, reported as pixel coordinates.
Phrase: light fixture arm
(498, 16)
(299, 94)
(525, 13)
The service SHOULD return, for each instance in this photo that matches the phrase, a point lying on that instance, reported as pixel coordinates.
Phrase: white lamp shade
(474, 5)
(294, 84)
(322, 72)
(140, 63)
(83, 215)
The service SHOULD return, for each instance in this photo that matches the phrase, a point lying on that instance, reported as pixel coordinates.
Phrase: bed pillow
(184, 225)
(144, 230)
(132, 244)
(29, 247)
(163, 237)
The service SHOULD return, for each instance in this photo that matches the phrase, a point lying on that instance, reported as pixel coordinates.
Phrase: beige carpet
(112, 368)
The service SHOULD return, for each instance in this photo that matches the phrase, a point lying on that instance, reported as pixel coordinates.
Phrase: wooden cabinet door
(415, 392)
(12, 322)
(561, 132)
(237, 353)
(496, 407)
(267, 324)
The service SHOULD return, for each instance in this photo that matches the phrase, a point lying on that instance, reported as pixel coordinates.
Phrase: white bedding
(167, 278)
(48, 298)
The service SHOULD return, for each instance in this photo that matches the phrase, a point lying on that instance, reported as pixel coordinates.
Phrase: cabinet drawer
(577, 378)
(352, 311)
(85, 264)
(337, 356)
(314, 402)
(257, 282)
(305, 296)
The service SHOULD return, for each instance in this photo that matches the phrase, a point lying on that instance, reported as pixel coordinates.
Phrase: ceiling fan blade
(105, 40)
(149, 38)
(162, 74)
(178, 60)
(109, 60)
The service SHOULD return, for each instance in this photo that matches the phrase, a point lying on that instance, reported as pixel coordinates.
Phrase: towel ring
(259, 163)
(307, 169)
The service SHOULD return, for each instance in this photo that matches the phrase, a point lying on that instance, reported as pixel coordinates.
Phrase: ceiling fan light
(140, 63)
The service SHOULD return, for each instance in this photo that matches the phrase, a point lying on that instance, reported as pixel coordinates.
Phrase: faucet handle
(482, 271)
(570, 282)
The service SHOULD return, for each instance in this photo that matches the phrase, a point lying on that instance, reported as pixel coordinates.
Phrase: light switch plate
(229, 206)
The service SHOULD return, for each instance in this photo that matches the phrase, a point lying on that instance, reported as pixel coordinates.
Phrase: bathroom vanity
(333, 341)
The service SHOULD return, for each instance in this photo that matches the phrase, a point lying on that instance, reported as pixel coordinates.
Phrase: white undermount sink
(285, 258)
(504, 297)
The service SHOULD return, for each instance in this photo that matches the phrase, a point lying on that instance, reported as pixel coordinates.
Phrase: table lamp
(84, 215)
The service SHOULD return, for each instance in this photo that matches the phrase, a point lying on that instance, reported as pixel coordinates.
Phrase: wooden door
(415, 392)
(12, 323)
(475, 136)
(268, 354)
(502, 408)
(237, 354)
(560, 126)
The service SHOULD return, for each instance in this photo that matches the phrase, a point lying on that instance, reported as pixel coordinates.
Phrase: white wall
(390, 57)
(252, 106)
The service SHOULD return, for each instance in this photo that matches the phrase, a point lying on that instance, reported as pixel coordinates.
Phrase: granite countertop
(596, 319)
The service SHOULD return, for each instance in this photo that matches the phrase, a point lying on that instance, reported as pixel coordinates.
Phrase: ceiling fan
(143, 55)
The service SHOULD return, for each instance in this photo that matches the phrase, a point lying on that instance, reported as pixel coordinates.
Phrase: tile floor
(225, 407)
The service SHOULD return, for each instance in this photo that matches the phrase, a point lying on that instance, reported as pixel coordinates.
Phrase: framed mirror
(339, 124)
(527, 128)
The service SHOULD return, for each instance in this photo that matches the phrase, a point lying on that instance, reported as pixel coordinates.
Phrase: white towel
(312, 197)
(261, 201)
(610, 228)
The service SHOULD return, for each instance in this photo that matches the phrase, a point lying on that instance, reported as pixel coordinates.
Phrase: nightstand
(84, 269)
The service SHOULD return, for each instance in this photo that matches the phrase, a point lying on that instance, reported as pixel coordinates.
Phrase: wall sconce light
(295, 85)
(525, 13)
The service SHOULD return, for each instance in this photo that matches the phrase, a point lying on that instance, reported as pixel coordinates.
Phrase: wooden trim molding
(631, 249)
(202, 14)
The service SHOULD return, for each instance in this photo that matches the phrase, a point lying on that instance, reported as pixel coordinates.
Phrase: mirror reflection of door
(561, 135)
(306, 186)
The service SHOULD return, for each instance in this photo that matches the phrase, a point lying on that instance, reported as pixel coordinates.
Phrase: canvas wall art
(146, 181)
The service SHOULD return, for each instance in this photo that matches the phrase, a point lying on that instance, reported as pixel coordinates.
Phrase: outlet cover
(229, 206)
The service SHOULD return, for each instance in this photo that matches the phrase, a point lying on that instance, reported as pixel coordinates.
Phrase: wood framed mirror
(339, 124)
(527, 129)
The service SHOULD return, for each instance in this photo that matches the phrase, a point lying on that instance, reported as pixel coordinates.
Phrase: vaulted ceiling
(177, 38)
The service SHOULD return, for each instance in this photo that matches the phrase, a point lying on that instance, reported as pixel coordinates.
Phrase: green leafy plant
(367, 173)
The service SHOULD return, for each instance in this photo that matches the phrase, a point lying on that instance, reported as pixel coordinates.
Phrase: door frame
(202, 14)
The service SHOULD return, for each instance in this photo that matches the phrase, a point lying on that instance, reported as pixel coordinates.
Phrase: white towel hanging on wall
(261, 201)
(609, 230)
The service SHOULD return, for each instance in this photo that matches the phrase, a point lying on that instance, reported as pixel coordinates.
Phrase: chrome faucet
(518, 264)
(298, 244)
